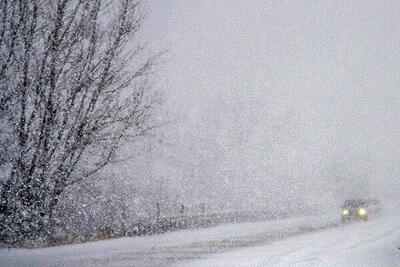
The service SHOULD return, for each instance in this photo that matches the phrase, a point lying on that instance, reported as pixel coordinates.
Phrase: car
(359, 209)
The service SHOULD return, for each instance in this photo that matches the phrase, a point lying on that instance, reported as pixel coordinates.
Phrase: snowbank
(168, 248)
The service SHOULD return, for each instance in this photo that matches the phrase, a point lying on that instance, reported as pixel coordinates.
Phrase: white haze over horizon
(279, 103)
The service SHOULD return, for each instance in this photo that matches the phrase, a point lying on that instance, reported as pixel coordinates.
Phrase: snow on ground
(168, 248)
(303, 241)
(372, 243)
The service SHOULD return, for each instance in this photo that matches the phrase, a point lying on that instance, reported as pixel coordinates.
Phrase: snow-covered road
(372, 243)
(308, 241)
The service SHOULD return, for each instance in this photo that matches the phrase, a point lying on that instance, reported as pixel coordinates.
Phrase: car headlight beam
(345, 212)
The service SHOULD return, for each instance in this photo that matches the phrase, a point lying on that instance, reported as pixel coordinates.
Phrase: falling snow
(198, 133)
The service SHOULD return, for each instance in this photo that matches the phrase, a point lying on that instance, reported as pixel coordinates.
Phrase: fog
(266, 118)
(286, 105)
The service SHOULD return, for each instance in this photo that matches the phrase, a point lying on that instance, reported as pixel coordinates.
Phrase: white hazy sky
(333, 65)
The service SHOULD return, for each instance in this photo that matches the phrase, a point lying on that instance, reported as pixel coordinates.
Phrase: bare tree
(73, 88)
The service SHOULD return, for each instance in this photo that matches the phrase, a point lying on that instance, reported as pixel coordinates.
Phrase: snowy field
(306, 241)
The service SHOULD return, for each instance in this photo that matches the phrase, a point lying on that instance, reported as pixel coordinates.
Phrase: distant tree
(73, 89)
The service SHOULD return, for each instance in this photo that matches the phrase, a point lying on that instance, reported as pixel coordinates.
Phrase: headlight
(362, 211)
(345, 212)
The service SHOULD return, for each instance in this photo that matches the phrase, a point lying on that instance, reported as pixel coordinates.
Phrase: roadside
(169, 248)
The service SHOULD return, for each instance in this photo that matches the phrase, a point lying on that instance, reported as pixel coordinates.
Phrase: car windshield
(352, 203)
